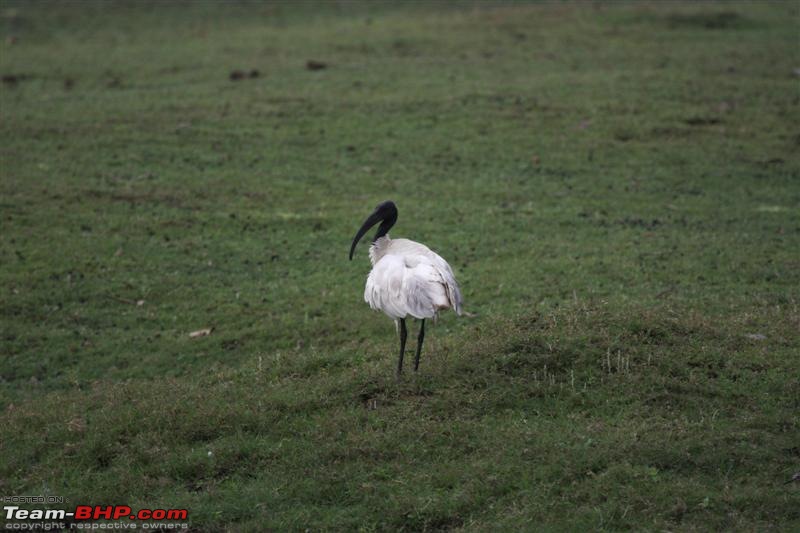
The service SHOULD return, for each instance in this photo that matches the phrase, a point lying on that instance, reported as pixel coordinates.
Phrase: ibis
(407, 279)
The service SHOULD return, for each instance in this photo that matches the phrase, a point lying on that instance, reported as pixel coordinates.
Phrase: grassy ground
(616, 185)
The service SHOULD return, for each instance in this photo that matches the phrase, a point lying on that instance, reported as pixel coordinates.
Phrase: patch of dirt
(711, 21)
(702, 121)
(312, 64)
(639, 223)
(13, 79)
(371, 397)
(238, 75)
(624, 135)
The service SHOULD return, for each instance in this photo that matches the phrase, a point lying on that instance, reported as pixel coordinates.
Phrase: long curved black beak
(386, 214)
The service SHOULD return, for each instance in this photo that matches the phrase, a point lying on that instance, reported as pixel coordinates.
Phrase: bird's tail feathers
(454, 295)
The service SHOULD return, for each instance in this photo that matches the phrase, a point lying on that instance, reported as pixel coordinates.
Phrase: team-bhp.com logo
(87, 517)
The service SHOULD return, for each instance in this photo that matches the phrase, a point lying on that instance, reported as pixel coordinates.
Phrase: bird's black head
(386, 214)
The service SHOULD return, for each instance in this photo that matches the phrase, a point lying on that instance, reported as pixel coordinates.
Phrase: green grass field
(616, 185)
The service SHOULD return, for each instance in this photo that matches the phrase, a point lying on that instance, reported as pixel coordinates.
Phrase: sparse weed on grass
(615, 185)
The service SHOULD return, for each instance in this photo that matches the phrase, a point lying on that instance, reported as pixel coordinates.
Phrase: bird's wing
(450, 283)
(414, 252)
(424, 291)
(410, 285)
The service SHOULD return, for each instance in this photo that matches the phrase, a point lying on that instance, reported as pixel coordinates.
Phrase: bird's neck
(379, 248)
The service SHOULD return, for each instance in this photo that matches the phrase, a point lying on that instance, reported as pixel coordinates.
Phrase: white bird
(407, 278)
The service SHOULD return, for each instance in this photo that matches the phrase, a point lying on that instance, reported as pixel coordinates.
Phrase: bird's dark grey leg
(420, 338)
(403, 335)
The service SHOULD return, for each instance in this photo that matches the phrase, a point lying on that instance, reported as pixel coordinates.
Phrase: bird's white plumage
(408, 278)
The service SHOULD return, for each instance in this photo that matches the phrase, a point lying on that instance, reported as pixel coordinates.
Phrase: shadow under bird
(407, 278)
